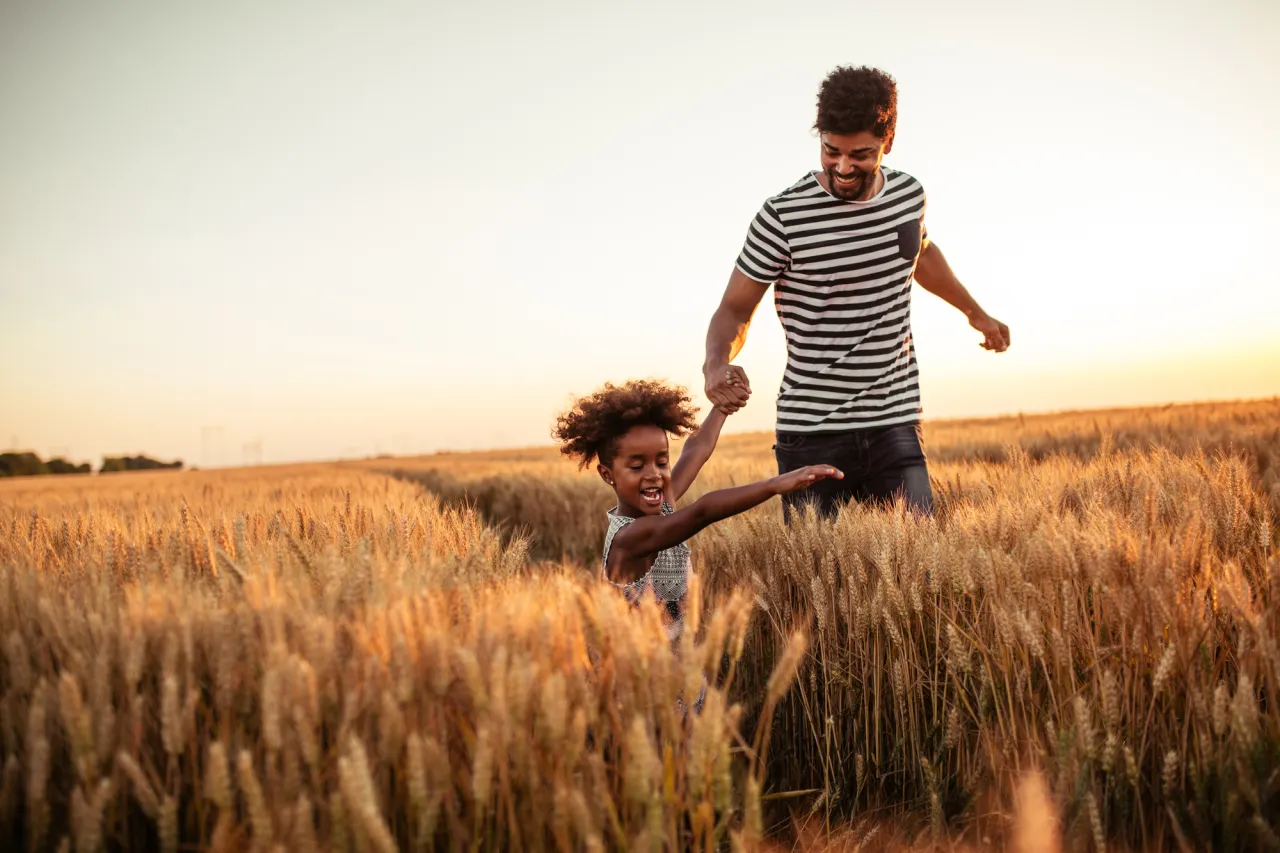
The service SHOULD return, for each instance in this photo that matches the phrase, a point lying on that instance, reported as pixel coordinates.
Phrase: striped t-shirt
(842, 287)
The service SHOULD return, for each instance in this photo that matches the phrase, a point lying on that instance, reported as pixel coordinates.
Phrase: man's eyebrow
(866, 149)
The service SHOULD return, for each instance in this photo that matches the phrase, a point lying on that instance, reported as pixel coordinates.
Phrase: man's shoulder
(899, 180)
(805, 187)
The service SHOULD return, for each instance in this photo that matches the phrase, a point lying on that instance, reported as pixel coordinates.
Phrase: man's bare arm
(934, 274)
(726, 385)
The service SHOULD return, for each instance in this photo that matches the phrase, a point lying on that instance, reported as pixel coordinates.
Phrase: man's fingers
(730, 392)
(735, 375)
(737, 393)
(722, 401)
(725, 403)
(725, 399)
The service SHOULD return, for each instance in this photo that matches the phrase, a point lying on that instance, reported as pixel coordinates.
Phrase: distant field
(540, 491)
(415, 654)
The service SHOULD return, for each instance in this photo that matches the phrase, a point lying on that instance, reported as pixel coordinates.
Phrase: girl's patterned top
(668, 578)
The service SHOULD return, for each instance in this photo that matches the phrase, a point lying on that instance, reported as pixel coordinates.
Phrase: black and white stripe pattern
(842, 287)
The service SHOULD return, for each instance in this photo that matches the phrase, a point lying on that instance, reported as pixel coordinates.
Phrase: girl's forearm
(721, 504)
(712, 425)
(703, 442)
(654, 533)
(697, 450)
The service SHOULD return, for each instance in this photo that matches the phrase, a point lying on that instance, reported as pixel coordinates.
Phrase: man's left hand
(995, 335)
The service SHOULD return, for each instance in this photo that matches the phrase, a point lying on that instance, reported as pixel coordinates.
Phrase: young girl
(626, 429)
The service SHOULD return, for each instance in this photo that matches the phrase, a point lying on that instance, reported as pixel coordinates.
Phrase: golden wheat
(377, 671)
(369, 656)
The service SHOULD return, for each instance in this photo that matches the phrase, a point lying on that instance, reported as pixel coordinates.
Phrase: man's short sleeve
(924, 230)
(766, 253)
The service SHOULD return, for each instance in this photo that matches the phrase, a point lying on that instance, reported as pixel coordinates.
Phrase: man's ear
(605, 473)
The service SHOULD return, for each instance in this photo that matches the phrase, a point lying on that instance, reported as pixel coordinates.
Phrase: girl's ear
(605, 473)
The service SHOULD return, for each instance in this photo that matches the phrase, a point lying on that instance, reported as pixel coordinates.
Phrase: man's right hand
(727, 387)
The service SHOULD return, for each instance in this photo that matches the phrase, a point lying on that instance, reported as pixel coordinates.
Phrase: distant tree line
(27, 464)
(136, 463)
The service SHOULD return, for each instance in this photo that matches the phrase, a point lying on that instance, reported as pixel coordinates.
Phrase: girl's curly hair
(593, 426)
(852, 100)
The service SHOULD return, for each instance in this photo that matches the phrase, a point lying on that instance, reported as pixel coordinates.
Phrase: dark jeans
(879, 464)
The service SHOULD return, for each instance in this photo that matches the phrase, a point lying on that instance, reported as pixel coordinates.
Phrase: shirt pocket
(909, 240)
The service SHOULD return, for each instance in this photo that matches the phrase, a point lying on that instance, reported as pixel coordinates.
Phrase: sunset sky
(344, 228)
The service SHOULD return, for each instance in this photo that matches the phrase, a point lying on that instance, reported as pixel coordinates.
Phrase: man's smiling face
(850, 162)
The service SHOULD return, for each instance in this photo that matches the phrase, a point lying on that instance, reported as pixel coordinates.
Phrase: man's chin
(849, 192)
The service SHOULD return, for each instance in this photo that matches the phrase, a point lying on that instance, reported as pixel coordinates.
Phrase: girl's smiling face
(640, 471)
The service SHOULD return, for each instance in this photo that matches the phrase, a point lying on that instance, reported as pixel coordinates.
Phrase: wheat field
(415, 654)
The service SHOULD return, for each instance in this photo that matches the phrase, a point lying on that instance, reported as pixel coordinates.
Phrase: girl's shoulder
(615, 519)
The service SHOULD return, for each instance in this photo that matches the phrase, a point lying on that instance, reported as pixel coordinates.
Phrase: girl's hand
(802, 478)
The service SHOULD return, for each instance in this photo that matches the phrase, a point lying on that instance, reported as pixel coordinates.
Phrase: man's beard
(855, 192)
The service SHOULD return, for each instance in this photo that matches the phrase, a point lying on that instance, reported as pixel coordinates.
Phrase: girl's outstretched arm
(653, 533)
(695, 453)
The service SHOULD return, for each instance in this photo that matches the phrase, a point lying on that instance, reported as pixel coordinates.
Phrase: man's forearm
(725, 336)
(934, 274)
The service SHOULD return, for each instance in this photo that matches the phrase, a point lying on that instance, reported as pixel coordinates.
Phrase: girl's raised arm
(697, 450)
(653, 533)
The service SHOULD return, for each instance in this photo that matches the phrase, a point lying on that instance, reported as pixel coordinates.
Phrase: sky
(246, 231)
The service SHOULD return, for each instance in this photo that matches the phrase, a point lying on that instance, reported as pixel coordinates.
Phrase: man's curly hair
(852, 100)
(591, 428)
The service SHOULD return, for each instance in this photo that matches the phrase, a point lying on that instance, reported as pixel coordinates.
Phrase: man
(840, 247)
